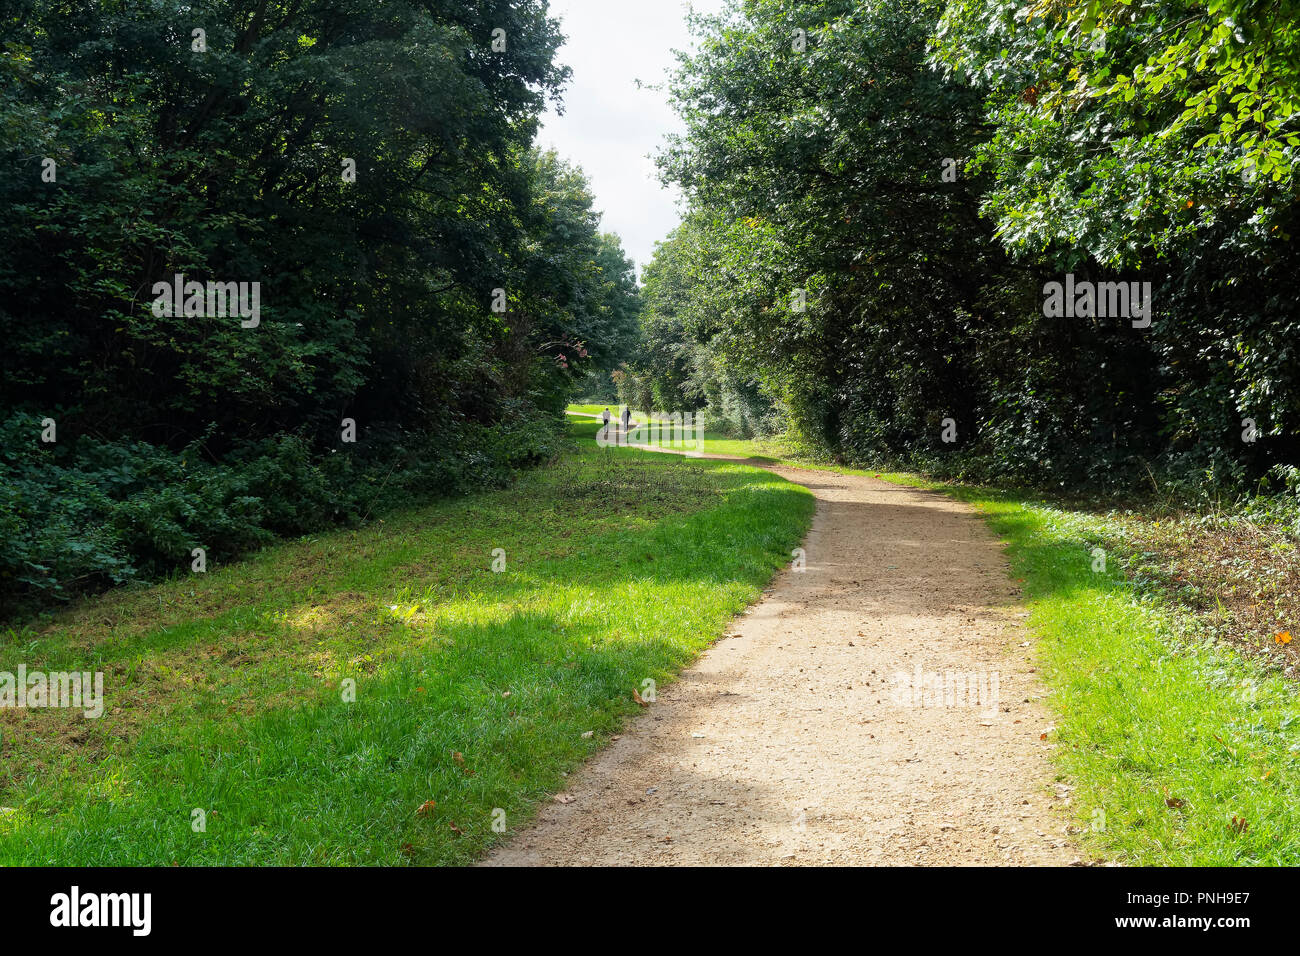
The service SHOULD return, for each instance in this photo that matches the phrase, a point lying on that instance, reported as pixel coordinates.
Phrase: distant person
(627, 421)
(604, 436)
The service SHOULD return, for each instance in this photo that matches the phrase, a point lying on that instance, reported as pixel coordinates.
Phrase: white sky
(609, 127)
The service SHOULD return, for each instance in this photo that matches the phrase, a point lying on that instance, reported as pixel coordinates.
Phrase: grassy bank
(475, 690)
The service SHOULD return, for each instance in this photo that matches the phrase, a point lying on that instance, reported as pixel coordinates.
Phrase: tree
(367, 169)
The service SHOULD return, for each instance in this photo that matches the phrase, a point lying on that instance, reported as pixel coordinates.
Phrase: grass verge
(475, 691)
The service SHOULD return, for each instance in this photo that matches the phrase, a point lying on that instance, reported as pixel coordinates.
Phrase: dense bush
(77, 516)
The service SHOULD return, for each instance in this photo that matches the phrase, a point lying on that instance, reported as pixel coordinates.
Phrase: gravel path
(799, 738)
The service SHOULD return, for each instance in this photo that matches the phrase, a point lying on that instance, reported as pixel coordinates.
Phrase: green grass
(714, 442)
(474, 689)
(223, 688)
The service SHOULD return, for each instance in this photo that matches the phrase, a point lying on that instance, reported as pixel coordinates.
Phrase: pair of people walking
(626, 417)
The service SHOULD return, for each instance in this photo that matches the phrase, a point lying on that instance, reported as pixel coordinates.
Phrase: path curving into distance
(794, 741)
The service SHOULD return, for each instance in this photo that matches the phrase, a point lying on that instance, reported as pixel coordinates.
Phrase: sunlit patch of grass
(587, 411)
(225, 691)
(765, 450)
(638, 416)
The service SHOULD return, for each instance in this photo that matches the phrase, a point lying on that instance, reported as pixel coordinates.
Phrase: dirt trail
(792, 740)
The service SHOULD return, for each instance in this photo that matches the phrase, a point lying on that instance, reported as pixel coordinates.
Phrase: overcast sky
(609, 127)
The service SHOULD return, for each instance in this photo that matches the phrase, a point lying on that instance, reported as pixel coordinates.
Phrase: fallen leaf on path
(564, 798)
(637, 697)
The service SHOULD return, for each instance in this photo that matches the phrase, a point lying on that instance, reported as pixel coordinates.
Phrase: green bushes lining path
(419, 276)
(80, 516)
